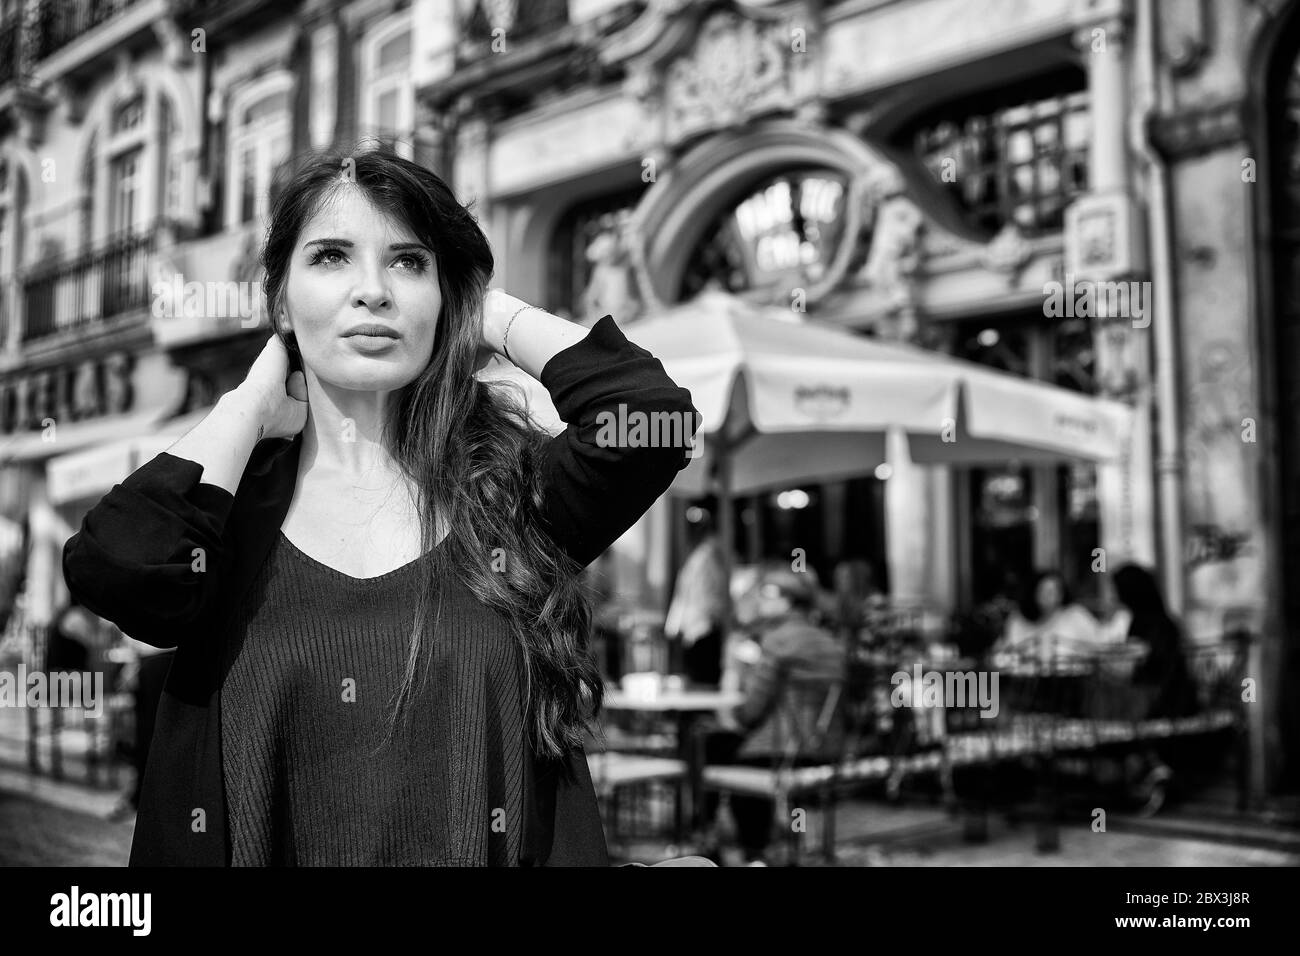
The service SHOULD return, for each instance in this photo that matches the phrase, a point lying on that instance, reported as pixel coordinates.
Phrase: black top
(169, 559)
(315, 662)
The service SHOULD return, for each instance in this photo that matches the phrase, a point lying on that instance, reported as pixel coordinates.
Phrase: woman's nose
(371, 291)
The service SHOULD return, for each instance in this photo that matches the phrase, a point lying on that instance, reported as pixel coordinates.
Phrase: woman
(694, 622)
(1163, 672)
(369, 560)
(1163, 677)
(1049, 621)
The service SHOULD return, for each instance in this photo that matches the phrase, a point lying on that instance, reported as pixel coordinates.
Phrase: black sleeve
(148, 556)
(596, 489)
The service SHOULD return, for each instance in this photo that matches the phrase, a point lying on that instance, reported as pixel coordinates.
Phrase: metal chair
(614, 773)
(790, 773)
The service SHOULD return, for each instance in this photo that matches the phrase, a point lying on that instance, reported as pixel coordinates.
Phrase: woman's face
(1049, 594)
(354, 266)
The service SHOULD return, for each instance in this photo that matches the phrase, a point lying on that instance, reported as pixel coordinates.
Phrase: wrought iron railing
(98, 285)
(11, 32)
(520, 20)
(56, 23)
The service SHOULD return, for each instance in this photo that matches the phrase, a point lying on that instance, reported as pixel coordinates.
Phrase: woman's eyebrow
(347, 244)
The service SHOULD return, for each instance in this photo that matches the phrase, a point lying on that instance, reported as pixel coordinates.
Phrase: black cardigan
(131, 563)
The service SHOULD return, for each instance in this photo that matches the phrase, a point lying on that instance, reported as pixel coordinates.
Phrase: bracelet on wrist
(505, 338)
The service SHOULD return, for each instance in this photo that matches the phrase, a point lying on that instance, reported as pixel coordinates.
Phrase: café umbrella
(784, 400)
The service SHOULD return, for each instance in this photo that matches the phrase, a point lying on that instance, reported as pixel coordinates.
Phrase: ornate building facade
(917, 170)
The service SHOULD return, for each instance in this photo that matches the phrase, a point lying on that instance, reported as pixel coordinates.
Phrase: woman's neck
(351, 450)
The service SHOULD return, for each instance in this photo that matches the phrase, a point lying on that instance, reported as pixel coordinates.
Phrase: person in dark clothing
(151, 665)
(1163, 673)
(1163, 676)
(797, 658)
(367, 556)
(68, 643)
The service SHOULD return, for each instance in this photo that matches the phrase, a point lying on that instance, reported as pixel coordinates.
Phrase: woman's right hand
(278, 399)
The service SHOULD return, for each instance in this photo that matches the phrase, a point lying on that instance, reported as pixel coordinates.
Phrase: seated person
(791, 651)
(1049, 623)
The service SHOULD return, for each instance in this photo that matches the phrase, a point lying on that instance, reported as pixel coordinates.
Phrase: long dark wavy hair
(468, 447)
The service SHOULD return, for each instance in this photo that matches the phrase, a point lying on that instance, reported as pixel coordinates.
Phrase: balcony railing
(10, 38)
(521, 20)
(56, 23)
(91, 288)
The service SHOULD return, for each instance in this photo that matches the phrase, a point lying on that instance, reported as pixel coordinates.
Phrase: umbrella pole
(726, 529)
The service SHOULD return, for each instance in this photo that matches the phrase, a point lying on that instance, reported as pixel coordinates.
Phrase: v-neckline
(348, 577)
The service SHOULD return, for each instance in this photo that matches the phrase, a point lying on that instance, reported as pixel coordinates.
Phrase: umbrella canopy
(786, 400)
(806, 400)
(795, 400)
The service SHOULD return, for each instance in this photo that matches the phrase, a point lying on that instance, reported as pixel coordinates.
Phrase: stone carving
(1007, 252)
(1219, 400)
(1223, 555)
(737, 69)
(895, 255)
(175, 43)
(613, 286)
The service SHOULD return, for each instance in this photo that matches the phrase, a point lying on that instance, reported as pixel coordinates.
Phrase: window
(130, 170)
(781, 234)
(388, 94)
(324, 85)
(89, 170)
(259, 142)
(128, 116)
(169, 158)
(124, 192)
(1008, 157)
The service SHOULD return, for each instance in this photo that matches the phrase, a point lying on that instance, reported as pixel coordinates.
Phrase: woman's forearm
(534, 336)
(223, 442)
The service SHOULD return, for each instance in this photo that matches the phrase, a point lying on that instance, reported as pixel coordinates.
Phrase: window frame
(260, 137)
(375, 83)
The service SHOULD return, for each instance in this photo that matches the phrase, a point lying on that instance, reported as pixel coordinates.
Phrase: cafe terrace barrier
(1048, 709)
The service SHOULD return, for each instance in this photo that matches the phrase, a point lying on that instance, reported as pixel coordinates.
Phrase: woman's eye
(327, 257)
(413, 263)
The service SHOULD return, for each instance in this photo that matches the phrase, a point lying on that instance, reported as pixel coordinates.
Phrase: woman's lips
(372, 343)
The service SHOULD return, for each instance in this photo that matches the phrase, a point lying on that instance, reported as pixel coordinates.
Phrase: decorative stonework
(31, 110)
(1184, 34)
(175, 44)
(896, 253)
(737, 69)
(1007, 253)
(613, 287)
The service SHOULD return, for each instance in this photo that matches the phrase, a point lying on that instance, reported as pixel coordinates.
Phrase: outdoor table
(686, 706)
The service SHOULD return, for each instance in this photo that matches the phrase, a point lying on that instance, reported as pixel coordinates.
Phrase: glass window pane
(386, 112)
(268, 107)
(248, 185)
(129, 115)
(125, 185)
(394, 54)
